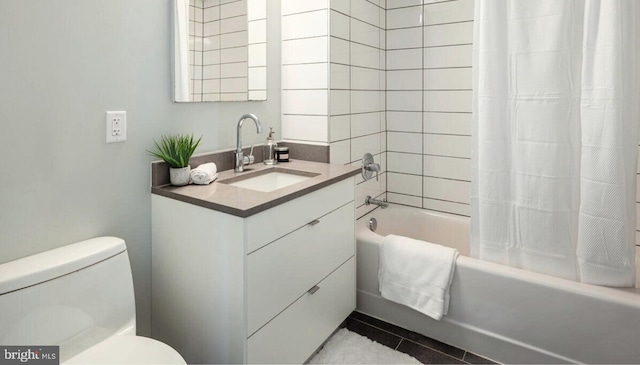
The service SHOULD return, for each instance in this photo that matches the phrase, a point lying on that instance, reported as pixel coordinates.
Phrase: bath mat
(346, 347)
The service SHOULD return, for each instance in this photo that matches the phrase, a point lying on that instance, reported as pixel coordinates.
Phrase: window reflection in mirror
(220, 50)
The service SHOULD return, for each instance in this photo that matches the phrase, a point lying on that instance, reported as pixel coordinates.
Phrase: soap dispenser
(270, 149)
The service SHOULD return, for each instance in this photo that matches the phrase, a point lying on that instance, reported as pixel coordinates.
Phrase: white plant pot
(179, 176)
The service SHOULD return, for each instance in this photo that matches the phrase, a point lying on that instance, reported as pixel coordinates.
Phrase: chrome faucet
(241, 159)
(381, 203)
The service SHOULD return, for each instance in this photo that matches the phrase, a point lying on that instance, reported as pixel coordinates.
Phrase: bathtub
(507, 314)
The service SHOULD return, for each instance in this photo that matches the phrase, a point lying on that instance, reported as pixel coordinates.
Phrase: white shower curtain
(556, 114)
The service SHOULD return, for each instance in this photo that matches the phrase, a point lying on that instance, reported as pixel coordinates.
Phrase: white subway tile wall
(257, 49)
(429, 104)
(197, 59)
(305, 71)
(234, 81)
(218, 42)
(333, 82)
(358, 88)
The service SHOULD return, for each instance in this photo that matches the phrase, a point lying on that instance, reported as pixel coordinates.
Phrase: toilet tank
(73, 296)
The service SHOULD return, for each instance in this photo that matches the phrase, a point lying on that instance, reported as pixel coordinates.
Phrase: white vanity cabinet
(268, 288)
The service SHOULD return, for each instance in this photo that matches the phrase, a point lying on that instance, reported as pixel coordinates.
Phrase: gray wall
(63, 64)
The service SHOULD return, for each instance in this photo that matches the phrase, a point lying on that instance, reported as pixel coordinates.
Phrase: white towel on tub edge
(417, 274)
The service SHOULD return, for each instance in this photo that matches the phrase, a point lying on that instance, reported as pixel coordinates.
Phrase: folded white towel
(204, 174)
(417, 274)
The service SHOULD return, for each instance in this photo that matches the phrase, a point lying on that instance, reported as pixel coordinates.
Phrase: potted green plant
(176, 150)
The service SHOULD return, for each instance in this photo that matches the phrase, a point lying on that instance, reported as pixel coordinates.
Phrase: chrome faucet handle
(249, 159)
(373, 167)
(369, 166)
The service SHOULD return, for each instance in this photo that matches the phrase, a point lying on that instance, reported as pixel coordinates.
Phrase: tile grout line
(438, 351)
(464, 355)
(378, 328)
(403, 338)
(398, 345)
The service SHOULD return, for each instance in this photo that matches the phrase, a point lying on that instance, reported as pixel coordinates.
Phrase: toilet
(79, 297)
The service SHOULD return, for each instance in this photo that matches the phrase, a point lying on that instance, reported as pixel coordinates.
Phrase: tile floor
(424, 349)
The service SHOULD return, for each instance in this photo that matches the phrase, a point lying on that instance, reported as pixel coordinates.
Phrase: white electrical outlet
(116, 126)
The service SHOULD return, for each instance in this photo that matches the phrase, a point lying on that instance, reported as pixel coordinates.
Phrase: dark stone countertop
(246, 202)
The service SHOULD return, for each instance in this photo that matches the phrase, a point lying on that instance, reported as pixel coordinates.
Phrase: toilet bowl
(78, 297)
(128, 350)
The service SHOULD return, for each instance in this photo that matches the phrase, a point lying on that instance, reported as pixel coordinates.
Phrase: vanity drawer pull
(314, 222)
(313, 290)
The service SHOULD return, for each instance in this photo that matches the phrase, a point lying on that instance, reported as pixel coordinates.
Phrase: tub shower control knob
(369, 166)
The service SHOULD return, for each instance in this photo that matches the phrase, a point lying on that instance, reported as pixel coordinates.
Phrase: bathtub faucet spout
(381, 203)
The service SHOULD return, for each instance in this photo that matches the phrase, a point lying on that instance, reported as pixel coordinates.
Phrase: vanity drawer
(276, 222)
(297, 332)
(281, 272)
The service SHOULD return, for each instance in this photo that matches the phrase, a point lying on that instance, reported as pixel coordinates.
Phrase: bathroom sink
(268, 180)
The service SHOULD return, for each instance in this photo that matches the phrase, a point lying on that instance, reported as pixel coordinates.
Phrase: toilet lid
(126, 349)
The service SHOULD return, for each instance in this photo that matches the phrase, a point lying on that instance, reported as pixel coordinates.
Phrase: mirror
(220, 50)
